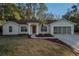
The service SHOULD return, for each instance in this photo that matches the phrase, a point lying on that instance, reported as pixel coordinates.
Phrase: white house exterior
(34, 27)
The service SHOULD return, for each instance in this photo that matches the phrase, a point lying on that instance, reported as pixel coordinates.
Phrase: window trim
(46, 29)
(10, 29)
(24, 30)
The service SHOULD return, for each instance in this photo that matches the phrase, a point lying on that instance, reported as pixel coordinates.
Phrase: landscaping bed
(44, 35)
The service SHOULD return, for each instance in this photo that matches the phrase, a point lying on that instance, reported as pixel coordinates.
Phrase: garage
(62, 30)
(62, 26)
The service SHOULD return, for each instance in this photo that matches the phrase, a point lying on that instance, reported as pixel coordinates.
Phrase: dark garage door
(62, 30)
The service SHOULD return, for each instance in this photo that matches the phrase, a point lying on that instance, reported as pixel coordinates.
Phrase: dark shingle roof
(26, 21)
(32, 21)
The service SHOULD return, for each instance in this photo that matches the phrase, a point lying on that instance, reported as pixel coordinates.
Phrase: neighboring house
(33, 27)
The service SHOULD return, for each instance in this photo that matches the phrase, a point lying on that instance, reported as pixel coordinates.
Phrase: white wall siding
(14, 28)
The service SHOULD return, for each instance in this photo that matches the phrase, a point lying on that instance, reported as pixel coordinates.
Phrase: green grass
(22, 46)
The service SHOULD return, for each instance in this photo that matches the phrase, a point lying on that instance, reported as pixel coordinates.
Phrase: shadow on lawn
(19, 35)
(63, 43)
(4, 50)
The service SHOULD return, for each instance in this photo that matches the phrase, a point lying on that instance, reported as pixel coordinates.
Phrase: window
(23, 29)
(55, 30)
(10, 28)
(44, 29)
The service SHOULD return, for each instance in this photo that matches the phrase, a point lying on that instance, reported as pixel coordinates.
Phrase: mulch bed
(44, 35)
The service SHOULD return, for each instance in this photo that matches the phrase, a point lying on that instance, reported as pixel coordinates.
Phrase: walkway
(72, 40)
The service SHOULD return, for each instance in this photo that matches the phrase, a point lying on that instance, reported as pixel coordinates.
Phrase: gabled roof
(26, 21)
(69, 21)
(66, 21)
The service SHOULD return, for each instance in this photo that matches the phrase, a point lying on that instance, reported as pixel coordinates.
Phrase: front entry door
(33, 29)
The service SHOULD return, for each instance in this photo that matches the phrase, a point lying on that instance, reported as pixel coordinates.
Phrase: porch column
(37, 29)
(72, 29)
(52, 30)
(29, 30)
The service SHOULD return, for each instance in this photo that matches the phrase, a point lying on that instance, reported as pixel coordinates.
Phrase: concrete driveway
(72, 40)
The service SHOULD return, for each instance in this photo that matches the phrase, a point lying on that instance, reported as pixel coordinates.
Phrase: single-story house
(33, 27)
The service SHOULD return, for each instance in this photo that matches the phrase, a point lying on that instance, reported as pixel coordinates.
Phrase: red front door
(33, 29)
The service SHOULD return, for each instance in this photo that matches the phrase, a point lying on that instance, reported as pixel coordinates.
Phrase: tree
(34, 10)
(41, 12)
(50, 16)
(73, 15)
(9, 11)
(74, 7)
(28, 9)
(20, 11)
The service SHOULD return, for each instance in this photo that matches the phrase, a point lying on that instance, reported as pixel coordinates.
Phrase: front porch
(33, 28)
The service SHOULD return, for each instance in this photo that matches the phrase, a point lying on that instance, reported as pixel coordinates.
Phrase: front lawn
(21, 45)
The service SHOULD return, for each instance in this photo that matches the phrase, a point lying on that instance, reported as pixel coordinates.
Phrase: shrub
(44, 35)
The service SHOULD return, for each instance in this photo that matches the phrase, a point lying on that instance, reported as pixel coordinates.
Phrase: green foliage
(73, 15)
(18, 11)
(9, 11)
(35, 10)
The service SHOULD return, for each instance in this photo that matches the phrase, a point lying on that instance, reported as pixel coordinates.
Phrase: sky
(58, 8)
